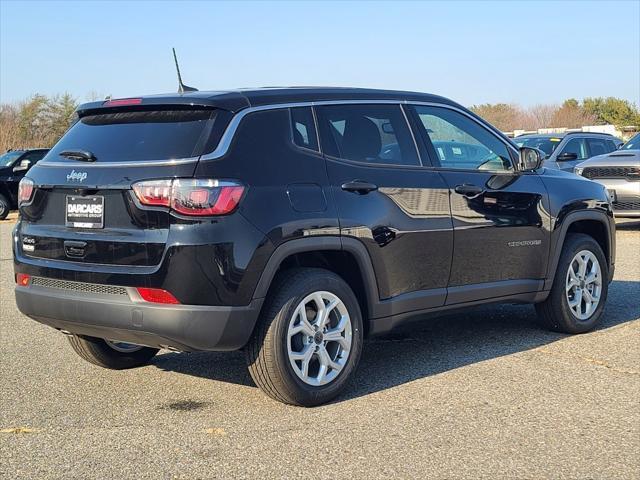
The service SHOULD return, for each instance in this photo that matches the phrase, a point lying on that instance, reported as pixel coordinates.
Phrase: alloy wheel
(583, 284)
(319, 338)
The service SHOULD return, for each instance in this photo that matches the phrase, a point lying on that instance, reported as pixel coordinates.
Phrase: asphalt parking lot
(477, 395)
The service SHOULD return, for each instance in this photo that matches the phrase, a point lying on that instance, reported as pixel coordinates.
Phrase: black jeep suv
(292, 223)
(14, 164)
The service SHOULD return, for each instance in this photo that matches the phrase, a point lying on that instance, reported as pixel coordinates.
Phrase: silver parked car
(564, 151)
(619, 172)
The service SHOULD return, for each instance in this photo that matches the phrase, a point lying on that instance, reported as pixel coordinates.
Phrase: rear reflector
(157, 295)
(193, 197)
(122, 101)
(23, 280)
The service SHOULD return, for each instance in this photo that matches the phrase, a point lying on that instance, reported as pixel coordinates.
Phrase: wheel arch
(346, 257)
(597, 224)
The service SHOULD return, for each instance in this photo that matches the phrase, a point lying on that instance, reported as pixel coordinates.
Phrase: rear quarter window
(141, 135)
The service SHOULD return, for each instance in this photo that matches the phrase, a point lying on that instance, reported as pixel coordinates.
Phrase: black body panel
(501, 233)
(405, 225)
(412, 245)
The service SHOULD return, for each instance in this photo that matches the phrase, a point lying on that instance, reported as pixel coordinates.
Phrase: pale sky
(472, 52)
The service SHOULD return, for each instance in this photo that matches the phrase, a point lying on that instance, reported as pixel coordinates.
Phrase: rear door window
(598, 146)
(304, 128)
(376, 134)
(140, 135)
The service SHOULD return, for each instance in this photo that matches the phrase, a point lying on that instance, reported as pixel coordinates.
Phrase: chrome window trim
(227, 137)
(133, 163)
(229, 133)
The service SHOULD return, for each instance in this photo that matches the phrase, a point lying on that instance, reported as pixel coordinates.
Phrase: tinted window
(35, 156)
(142, 135)
(8, 158)
(633, 144)
(547, 145)
(367, 133)
(599, 147)
(304, 129)
(577, 146)
(461, 142)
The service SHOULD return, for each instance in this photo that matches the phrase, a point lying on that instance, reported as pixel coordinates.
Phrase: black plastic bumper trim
(182, 327)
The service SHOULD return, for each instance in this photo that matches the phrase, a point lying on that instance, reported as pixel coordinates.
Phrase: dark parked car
(293, 223)
(13, 166)
(564, 151)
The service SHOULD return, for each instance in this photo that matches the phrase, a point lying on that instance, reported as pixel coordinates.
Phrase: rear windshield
(140, 135)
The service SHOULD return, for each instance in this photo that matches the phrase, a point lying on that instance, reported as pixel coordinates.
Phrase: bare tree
(504, 116)
(38, 121)
(9, 130)
(572, 115)
(541, 115)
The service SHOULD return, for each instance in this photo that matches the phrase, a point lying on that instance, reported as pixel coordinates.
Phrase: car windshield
(633, 144)
(8, 158)
(546, 144)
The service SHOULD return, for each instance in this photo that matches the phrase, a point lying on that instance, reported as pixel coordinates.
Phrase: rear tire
(308, 340)
(5, 207)
(567, 309)
(108, 354)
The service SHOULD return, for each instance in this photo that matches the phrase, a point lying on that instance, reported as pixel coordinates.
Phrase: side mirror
(530, 158)
(23, 166)
(567, 157)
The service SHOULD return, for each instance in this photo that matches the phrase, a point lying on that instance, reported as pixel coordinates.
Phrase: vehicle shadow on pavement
(425, 348)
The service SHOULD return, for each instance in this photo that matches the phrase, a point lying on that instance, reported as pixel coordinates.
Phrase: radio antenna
(181, 86)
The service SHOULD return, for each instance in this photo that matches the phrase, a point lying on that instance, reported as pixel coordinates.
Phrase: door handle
(468, 190)
(359, 186)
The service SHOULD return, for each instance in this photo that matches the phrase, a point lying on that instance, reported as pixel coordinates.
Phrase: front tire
(111, 354)
(308, 341)
(580, 287)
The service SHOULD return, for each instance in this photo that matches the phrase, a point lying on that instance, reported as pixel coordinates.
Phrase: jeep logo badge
(76, 176)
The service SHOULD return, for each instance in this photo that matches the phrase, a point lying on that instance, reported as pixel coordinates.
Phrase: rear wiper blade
(82, 155)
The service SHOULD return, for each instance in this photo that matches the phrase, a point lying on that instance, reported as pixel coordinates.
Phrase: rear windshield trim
(130, 163)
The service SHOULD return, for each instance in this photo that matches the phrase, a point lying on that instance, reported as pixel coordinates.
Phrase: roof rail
(590, 133)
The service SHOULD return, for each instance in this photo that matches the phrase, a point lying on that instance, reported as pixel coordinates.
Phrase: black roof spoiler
(231, 101)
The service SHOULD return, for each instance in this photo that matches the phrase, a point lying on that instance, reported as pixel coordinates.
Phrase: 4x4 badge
(76, 176)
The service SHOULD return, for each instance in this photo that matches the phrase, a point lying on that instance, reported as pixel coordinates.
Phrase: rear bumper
(123, 317)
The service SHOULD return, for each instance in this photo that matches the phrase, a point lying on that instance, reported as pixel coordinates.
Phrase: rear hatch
(83, 208)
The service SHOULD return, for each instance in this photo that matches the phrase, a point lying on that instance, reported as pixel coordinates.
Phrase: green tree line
(570, 114)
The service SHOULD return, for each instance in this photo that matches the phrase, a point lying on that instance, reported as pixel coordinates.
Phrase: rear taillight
(157, 295)
(194, 197)
(25, 190)
(154, 192)
(23, 280)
